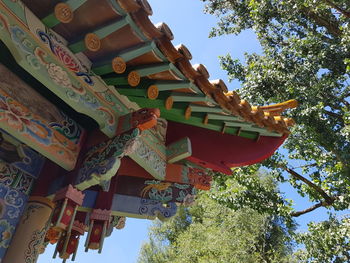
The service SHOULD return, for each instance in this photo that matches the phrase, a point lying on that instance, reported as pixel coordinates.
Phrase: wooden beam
(158, 68)
(186, 97)
(153, 189)
(63, 13)
(177, 115)
(212, 116)
(133, 92)
(132, 24)
(179, 150)
(188, 175)
(249, 127)
(101, 163)
(132, 206)
(102, 32)
(173, 85)
(105, 66)
(200, 108)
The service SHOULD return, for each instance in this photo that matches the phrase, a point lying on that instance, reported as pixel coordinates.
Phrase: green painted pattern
(17, 8)
(179, 150)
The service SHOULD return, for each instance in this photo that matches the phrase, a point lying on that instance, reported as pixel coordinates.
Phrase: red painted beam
(222, 151)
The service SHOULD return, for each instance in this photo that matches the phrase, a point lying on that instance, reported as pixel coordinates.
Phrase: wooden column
(28, 240)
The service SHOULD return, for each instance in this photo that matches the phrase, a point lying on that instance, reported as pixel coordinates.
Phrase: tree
(211, 232)
(306, 56)
(327, 241)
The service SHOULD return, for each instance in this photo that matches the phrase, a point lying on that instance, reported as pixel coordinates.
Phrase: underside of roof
(138, 58)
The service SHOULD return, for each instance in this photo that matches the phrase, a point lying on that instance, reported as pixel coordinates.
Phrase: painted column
(27, 242)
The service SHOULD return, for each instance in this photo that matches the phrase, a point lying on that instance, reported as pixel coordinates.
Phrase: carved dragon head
(145, 118)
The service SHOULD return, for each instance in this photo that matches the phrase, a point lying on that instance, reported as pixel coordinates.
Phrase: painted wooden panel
(149, 159)
(132, 206)
(19, 155)
(36, 132)
(15, 187)
(137, 207)
(37, 122)
(43, 54)
(153, 189)
(179, 150)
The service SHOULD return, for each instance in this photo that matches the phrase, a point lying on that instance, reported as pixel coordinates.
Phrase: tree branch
(312, 208)
(306, 165)
(338, 8)
(327, 198)
(332, 28)
(335, 115)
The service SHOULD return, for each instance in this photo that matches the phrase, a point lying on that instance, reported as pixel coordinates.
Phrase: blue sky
(190, 27)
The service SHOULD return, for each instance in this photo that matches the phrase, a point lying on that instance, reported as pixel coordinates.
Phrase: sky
(190, 27)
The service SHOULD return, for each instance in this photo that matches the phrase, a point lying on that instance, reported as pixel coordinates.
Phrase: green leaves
(305, 57)
(327, 241)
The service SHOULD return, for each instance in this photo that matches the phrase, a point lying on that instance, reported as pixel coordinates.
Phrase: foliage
(328, 241)
(210, 232)
(306, 56)
(250, 188)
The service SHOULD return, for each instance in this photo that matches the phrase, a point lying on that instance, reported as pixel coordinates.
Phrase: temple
(103, 118)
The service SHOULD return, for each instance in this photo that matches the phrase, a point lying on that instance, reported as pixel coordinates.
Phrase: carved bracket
(102, 162)
(179, 150)
(137, 207)
(188, 175)
(142, 119)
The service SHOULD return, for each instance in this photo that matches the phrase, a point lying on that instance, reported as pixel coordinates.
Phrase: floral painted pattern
(86, 93)
(15, 118)
(59, 76)
(21, 119)
(15, 187)
(64, 55)
(6, 232)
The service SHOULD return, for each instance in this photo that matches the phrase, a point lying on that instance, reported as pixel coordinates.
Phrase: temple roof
(126, 49)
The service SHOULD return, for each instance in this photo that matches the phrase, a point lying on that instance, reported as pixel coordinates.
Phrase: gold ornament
(152, 92)
(188, 112)
(134, 78)
(92, 42)
(118, 65)
(169, 103)
(63, 13)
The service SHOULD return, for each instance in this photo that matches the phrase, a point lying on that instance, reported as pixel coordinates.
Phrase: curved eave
(221, 152)
(126, 31)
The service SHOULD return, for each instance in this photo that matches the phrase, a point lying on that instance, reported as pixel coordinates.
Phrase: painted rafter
(177, 115)
(105, 66)
(69, 6)
(251, 127)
